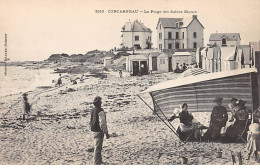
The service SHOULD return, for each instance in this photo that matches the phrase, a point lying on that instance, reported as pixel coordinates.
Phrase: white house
(180, 33)
(225, 39)
(136, 35)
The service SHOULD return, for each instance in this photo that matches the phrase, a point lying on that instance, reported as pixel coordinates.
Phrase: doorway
(144, 67)
(135, 68)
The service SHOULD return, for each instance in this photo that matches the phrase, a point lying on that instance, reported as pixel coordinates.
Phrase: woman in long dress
(188, 130)
(240, 126)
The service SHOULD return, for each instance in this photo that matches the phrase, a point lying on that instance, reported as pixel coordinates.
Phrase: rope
(160, 117)
(164, 115)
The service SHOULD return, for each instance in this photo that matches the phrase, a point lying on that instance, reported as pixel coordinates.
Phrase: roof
(246, 52)
(138, 57)
(228, 53)
(239, 54)
(197, 78)
(171, 22)
(138, 27)
(181, 53)
(151, 54)
(228, 36)
(163, 55)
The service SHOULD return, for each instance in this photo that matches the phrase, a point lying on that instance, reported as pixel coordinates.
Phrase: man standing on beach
(98, 126)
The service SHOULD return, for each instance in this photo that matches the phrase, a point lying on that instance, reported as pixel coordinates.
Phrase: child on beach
(120, 73)
(59, 81)
(253, 137)
(26, 106)
(82, 78)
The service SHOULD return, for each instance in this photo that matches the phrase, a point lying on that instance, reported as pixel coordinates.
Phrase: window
(160, 46)
(169, 46)
(177, 35)
(136, 38)
(224, 41)
(177, 45)
(194, 34)
(183, 45)
(183, 35)
(177, 25)
(194, 45)
(160, 26)
(169, 35)
(160, 35)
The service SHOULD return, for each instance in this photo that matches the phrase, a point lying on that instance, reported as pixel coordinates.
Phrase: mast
(5, 54)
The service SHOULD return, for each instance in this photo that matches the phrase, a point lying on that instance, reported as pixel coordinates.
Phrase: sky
(38, 28)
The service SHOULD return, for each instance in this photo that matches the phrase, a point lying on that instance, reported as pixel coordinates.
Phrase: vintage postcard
(138, 82)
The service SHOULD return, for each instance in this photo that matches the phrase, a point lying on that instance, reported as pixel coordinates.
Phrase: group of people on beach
(220, 128)
(183, 67)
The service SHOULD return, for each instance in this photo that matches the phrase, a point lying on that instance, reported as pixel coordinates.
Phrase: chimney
(128, 26)
(194, 16)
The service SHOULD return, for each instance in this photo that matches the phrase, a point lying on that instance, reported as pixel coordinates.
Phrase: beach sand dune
(59, 133)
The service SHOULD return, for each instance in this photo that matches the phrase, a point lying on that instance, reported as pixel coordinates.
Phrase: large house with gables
(179, 33)
(135, 34)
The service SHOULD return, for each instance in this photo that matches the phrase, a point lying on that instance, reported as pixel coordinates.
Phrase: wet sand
(60, 132)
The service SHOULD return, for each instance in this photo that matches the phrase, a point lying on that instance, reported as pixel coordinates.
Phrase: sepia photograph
(129, 82)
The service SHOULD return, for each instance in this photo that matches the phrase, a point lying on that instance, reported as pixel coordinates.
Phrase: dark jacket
(219, 115)
(27, 107)
(94, 119)
(186, 118)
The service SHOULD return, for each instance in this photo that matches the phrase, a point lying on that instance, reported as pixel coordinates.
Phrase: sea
(20, 79)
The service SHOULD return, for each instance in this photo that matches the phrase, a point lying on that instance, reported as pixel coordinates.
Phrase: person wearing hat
(26, 106)
(240, 124)
(98, 126)
(218, 119)
(232, 107)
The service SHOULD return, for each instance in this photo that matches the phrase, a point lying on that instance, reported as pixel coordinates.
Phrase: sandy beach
(59, 133)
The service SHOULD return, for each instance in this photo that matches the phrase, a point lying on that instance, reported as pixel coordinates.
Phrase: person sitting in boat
(240, 126)
(218, 119)
(187, 127)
